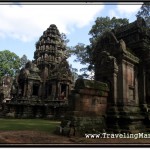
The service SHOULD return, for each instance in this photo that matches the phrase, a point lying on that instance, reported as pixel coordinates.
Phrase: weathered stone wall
(89, 97)
(88, 106)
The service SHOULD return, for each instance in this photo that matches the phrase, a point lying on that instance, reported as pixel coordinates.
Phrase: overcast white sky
(22, 25)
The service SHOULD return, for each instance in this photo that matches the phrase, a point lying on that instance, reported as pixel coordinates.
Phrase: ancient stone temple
(118, 99)
(122, 61)
(42, 87)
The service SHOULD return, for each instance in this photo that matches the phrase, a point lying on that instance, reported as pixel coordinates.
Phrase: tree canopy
(103, 24)
(144, 12)
(9, 63)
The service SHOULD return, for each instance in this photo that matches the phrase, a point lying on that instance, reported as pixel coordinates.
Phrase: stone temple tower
(47, 50)
(42, 87)
(50, 57)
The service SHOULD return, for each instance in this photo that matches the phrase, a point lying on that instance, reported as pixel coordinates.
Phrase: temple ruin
(116, 101)
(42, 87)
(121, 59)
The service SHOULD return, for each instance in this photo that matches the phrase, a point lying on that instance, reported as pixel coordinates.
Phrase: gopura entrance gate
(122, 60)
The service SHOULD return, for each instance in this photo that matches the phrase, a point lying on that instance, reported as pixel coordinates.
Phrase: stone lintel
(131, 58)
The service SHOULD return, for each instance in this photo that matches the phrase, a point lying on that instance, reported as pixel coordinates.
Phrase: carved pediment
(107, 42)
(106, 62)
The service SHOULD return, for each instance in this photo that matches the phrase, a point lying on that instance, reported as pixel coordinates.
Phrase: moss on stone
(90, 125)
(85, 83)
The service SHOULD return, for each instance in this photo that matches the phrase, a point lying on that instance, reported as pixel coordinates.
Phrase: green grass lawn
(28, 124)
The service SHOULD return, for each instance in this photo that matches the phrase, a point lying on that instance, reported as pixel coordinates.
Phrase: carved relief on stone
(107, 42)
(53, 58)
(59, 59)
(47, 47)
(50, 47)
(56, 59)
(35, 68)
(46, 57)
(50, 58)
(43, 47)
(42, 40)
(38, 60)
(6, 87)
(29, 89)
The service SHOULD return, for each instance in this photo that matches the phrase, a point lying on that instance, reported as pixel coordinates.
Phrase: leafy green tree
(83, 55)
(144, 12)
(9, 63)
(64, 38)
(103, 24)
(83, 52)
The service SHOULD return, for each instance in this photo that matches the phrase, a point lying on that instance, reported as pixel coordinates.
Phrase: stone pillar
(125, 76)
(40, 90)
(114, 82)
(58, 90)
(115, 88)
(25, 90)
(43, 90)
(53, 91)
(136, 87)
(142, 85)
(29, 89)
(67, 91)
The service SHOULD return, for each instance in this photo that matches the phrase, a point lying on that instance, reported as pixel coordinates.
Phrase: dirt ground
(33, 137)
